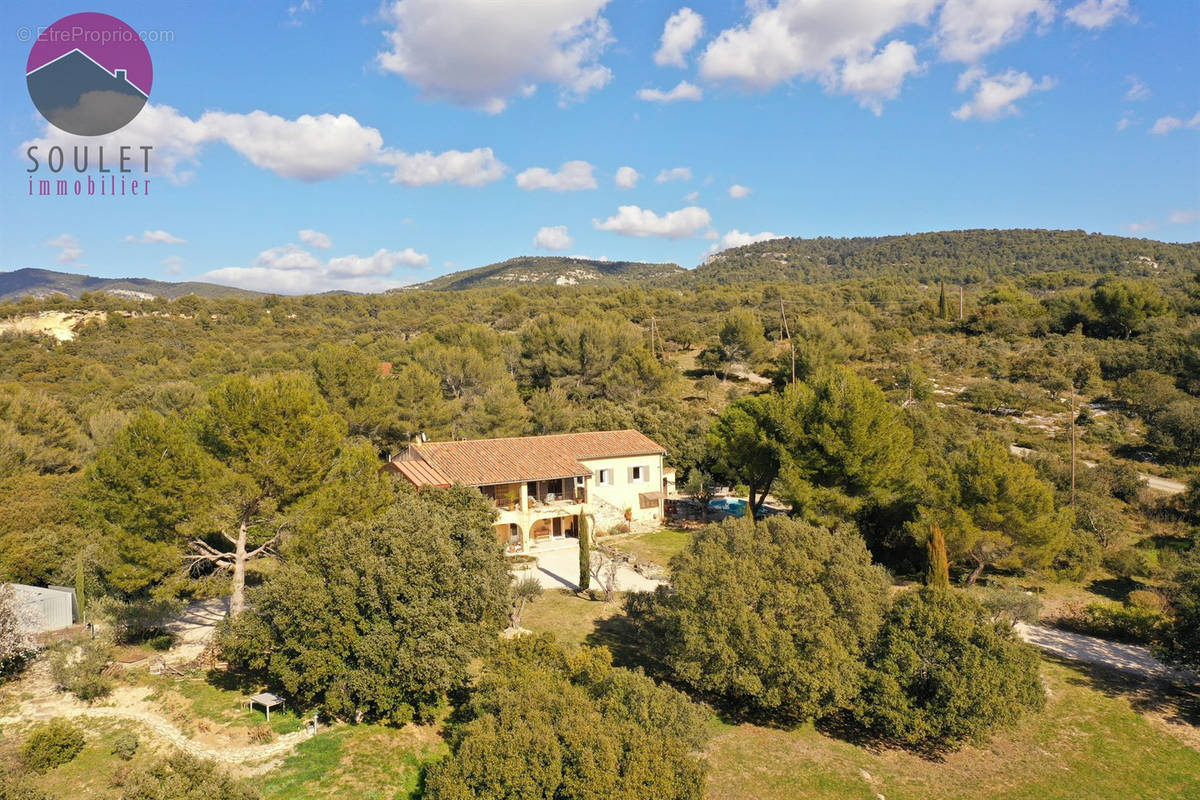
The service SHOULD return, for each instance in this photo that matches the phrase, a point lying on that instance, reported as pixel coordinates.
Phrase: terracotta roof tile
(420, 473)
(481, 462)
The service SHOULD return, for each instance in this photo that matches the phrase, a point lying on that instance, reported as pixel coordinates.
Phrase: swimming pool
(733, 506)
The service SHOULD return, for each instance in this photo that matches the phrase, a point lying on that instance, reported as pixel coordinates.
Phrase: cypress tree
(585, 554)
(79, 599)
(942, 310)
(937, 573)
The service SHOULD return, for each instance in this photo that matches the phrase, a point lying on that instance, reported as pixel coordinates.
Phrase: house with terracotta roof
(543, 485)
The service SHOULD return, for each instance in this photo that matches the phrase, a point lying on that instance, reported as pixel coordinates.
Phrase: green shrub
(942, 672)
(182, 776)
(1147, 600)
(138, 621)
(162, 642)
(50, 745)
(1127, 563)
(1010, 605)
(1178, 641)
(14, 787)
(1120, 623)
(125, 745)
(79, 668)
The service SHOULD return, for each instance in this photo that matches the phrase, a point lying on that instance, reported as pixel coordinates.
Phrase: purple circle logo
(89, 74)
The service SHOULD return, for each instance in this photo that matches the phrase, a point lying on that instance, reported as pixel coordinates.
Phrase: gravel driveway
(1090, 650)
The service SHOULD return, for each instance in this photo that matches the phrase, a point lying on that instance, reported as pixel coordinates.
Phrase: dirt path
(1130, 658)
(131, 704)
(1164, 485)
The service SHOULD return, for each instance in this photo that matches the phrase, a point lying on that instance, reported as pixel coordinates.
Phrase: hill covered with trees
(970, 256)
(555, 271)
(46, 283)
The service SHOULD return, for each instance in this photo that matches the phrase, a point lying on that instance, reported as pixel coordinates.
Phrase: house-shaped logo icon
(93, 88)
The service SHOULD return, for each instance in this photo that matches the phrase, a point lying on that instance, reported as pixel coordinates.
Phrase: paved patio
(558, 568)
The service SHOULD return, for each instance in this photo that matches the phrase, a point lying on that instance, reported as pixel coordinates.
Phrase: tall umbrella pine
(274, 439)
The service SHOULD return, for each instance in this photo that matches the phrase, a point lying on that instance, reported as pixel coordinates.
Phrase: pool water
(730, 505)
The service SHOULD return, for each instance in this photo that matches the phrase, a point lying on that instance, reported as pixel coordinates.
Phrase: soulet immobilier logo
(89, 75)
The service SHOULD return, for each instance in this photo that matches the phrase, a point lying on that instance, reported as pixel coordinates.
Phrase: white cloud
(572, 176)
(1164, 125)
(155, 237)
(681, 91)
(738, 191)
(173, 265)
(290, 269)
(1124, 122)
(478, 54)
(832, 41)
(736, 238)
(674, 174)
(308, 148)
(316, 239)
(679, 36)
(967, 30)
(382, 262)
(1137, 90)
(641, 222)
(879, 77)
(69, 250)
(690, 197)
(1182, 216)
(285, 257)
(996, 95)
(296, 11)
(1094, 14)
(470, 168)
(627, 177)
(553, 238)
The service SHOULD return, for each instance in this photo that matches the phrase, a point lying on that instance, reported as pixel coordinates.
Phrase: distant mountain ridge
(967, 256)
(45, 283)
(553, 270)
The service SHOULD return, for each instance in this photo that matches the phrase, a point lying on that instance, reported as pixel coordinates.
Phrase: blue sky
(305, 146)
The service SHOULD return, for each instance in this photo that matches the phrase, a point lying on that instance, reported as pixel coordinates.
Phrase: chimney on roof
(421, 437)
(120, 73)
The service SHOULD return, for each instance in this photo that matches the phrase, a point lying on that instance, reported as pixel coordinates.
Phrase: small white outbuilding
(41, 609)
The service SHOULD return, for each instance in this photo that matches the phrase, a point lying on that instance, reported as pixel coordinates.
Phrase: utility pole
(653, 330)
(960, 303)
(1072, 444)
(788, 334)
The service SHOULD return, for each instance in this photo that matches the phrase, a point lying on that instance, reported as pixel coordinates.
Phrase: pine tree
(937, 572)
(585, 554)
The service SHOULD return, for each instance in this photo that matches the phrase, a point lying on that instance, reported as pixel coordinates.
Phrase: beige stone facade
(542, 486)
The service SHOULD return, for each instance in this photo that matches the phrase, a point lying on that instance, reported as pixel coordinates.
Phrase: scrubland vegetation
(940, 477)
